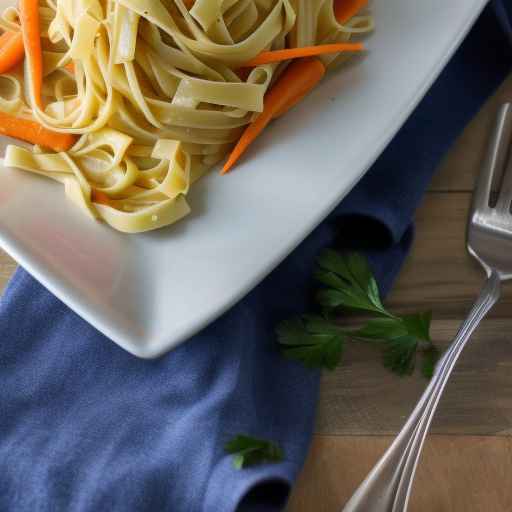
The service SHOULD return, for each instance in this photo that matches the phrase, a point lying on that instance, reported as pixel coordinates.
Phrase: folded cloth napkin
(84, 426)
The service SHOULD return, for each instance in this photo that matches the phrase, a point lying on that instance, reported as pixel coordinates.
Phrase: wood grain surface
(360, 401)
(457, 473)
(468, 462)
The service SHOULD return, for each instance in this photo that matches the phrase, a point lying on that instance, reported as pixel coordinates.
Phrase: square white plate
(150, 292)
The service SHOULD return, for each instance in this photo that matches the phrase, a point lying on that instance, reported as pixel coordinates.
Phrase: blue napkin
(84, 426)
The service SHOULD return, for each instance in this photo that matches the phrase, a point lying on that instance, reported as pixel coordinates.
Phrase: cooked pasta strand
(141, 97)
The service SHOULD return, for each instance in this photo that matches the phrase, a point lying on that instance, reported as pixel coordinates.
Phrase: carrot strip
(346, 9)
(298, 79)
(70, 66)
(290, 104)
(30, 28)
(306, 51)
(100, 197)
(11, 50)
(31, 131)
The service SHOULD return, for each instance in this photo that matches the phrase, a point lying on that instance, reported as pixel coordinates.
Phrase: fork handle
(387, 487)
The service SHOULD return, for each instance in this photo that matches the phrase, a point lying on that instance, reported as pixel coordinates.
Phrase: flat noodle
(153, 94)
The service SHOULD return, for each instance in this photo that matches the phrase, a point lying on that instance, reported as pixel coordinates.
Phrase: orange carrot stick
(290, 104)
(70, 66)
(31, 131)
(298, 79)
(346, 9)
(30, 28)
(11, 50)
(100, 197)
(306, 51)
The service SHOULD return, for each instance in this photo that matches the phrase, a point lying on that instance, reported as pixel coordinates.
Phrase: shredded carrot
(100, 197)
(306, 51)
(11, 50)
(30, 28)
(298, 79)
(31, 131)
(346, 9)
(290, 104)
(70, 66)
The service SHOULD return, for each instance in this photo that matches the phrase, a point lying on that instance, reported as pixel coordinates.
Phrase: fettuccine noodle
(153, 94)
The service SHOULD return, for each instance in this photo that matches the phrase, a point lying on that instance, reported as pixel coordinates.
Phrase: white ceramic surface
(152, 291)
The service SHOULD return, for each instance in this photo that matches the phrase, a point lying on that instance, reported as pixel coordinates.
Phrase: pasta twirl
(152, 91)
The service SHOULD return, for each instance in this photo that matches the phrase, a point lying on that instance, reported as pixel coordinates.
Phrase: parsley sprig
(318, 342)
(250, 451)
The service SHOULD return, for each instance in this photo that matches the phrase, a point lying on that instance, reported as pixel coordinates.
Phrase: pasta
(151, 91)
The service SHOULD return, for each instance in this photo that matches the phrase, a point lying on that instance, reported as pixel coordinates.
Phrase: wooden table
(467, 462)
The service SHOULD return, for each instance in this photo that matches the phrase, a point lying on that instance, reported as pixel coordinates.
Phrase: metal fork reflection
(489, 240)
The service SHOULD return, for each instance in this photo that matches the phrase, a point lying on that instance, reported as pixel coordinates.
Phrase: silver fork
(489, 240)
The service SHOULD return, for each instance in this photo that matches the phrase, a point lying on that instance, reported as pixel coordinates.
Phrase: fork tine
(495, 159)
(505, 193)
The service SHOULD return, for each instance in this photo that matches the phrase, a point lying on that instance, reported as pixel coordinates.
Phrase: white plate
(150, 292)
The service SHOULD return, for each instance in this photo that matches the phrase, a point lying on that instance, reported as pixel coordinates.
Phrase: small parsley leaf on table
(418, 325)
(430, 358)
(401, 339)
(400, 354)
(250, 451)
(312, 340)
(350, 282)
(381, 328)
(318, 342)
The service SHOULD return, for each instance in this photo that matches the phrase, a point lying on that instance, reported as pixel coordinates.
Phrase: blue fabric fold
(84, 426)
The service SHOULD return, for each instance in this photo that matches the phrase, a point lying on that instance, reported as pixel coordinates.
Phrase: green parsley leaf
(318, 342)
(250, 451)
(382, 328)
(400, 354)
(293, 332)
(312, 340)
(400, 337)
(430, 358)
(418, 325)
(350, 281)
